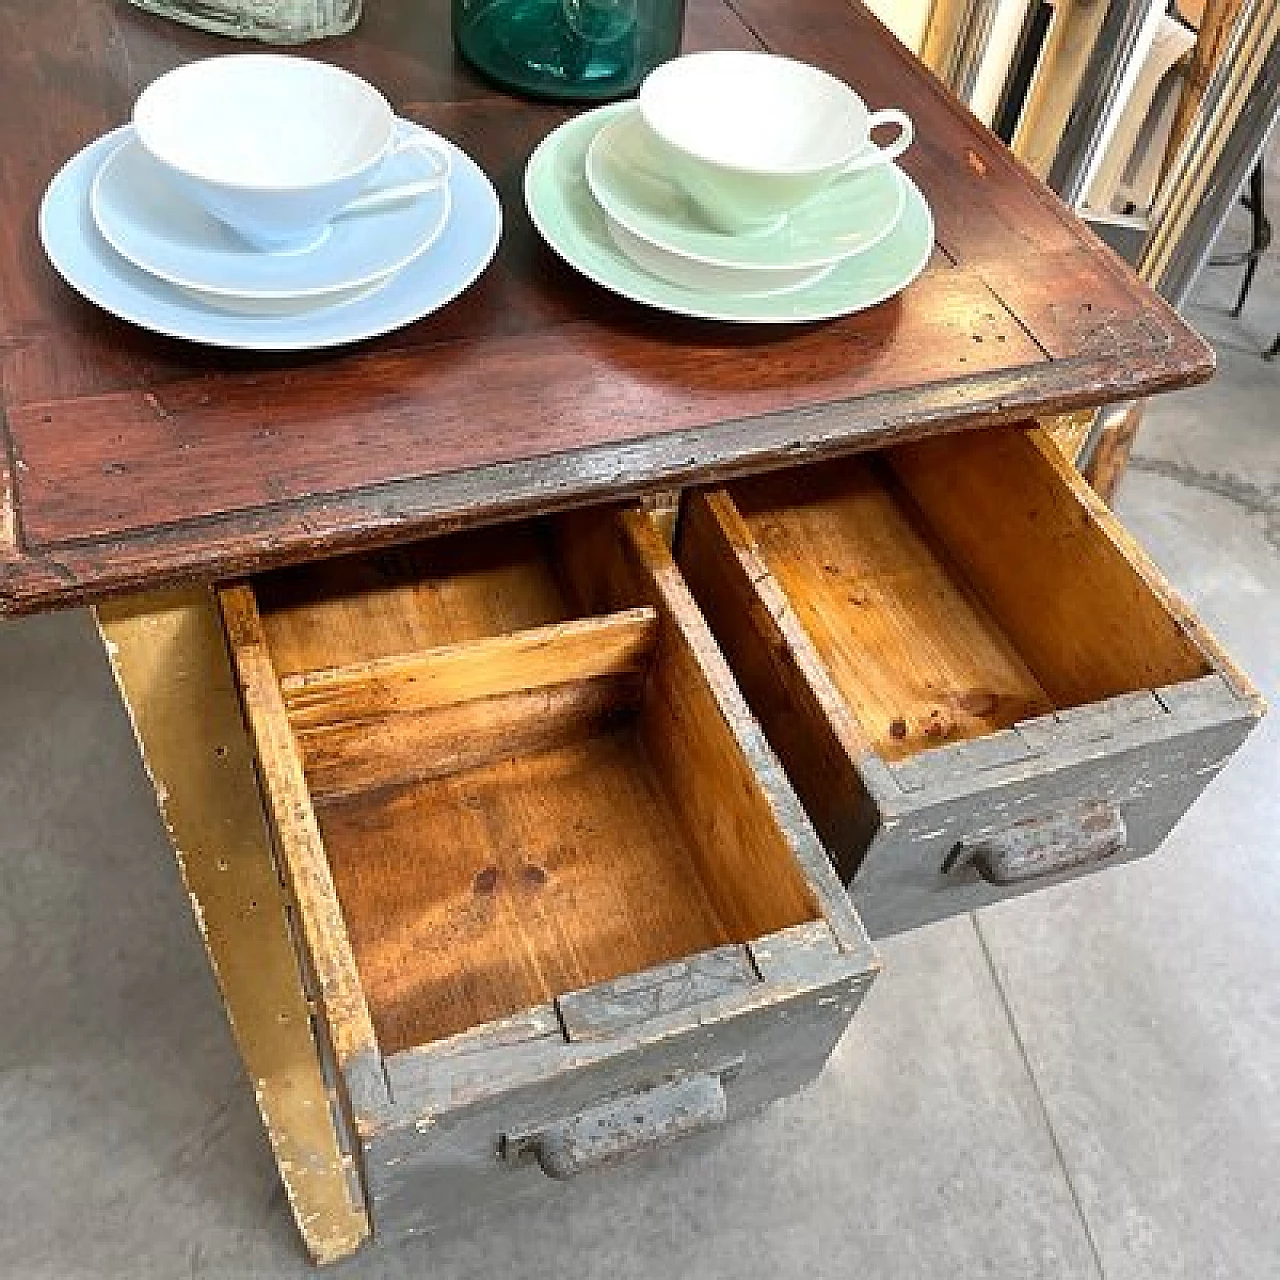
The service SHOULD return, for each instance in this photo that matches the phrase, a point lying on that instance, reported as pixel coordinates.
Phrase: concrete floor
(1083, 1083)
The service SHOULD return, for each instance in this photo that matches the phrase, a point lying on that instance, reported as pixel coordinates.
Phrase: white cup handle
(873, 153)
(380, 197)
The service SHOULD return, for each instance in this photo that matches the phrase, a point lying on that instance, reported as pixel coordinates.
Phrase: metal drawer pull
(609, 1132)
(1044, 846)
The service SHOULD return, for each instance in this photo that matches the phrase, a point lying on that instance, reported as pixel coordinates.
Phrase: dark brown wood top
(131, 460)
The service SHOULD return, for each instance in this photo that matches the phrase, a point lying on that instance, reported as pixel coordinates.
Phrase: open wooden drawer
(975, 680)
(558, 898)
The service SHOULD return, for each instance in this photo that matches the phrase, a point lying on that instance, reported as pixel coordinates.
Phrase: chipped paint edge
(170, 664)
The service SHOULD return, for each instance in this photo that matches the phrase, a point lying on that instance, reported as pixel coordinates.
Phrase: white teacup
(276, 146)
(751, 136)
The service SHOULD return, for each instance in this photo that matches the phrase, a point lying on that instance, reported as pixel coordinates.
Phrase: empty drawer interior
(957, 586)
(518, 775)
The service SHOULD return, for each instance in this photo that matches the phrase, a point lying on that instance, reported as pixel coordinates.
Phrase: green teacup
(751, 136)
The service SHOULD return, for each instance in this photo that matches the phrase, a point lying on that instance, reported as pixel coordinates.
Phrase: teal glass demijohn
(575, 49)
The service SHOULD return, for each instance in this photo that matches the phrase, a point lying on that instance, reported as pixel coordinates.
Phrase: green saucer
(627, 174)
(568, 218)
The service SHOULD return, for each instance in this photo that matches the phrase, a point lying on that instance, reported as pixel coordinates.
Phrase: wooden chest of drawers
(557, 899)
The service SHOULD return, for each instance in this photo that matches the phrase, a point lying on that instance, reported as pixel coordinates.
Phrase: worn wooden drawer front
(977, 683)
(559, 902)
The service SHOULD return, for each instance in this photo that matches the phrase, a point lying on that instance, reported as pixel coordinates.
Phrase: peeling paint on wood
(611, 1007)
(420, 1181)
(170, 661)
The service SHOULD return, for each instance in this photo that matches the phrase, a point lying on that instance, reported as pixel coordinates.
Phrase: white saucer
(277, 307)
(85, 260)
(631, 181)
(145, 218)
(568, 218)
(705, 277)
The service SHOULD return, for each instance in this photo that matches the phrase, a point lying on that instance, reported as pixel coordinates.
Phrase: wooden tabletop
(131, 460)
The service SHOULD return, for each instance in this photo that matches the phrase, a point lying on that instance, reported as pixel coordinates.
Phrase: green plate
(629, 178)
(568, 218)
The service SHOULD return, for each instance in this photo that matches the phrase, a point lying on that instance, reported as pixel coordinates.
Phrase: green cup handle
(873, 153)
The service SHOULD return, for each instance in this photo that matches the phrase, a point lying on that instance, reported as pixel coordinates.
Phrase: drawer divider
(580, 649)
(430, 713)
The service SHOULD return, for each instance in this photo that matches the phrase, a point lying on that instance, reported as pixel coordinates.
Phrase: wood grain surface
(1066, 595)
(473, 884)
(477, 895)
(131, 460)
(910, 645)
(446, 591)
(954, 587)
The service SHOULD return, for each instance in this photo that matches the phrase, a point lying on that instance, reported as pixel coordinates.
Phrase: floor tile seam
(1251, 498)
(1041, 1102)
(1254, 498)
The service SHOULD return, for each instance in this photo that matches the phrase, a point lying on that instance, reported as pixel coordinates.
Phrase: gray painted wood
(1093, 722)
(892, 828)
(797, 957)
(1150, 771)
(962, 759)
(611, 1007)
(1211, 697)
(622, 1127)
(763, 1020)
(441, 1156)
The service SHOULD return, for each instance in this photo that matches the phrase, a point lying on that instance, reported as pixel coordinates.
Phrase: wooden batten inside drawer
(511, 770)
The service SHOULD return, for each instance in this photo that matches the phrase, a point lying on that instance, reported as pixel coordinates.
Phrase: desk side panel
(170, 662)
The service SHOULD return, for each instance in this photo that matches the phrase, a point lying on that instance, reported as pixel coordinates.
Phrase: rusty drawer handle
(613, 1130)
(1045, 846)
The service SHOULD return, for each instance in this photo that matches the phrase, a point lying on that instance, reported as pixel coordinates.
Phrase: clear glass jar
(275, 21)
(575, 49)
